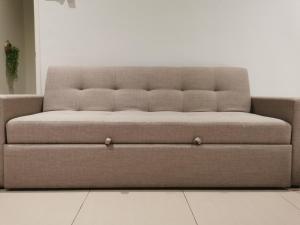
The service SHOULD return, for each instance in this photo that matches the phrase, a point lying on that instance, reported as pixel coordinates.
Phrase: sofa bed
(148, 127)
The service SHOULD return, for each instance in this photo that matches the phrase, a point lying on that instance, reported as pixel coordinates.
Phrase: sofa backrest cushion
(186, 89)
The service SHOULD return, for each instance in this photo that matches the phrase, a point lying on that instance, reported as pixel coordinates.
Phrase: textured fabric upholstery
(287, 109)
(1, 166)
(94, 166)
(12, 106)
(152, 116)
(147, 89)
(147, 127)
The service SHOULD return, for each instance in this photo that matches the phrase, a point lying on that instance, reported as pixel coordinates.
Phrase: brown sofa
(148, 127)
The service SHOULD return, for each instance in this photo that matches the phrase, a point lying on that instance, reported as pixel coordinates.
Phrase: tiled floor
(95, 207)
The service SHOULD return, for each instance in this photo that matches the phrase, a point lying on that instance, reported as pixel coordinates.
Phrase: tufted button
(108, 141)
(197, 141)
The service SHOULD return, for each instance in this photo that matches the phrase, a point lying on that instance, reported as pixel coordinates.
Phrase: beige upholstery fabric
(12, 106)
(147, 127)
(287, 109)
(1, 166)
(147, 89)
(96, 166)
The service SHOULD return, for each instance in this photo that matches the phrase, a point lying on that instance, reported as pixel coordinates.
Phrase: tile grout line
(294, 205)
(190, 208)
(81, 205)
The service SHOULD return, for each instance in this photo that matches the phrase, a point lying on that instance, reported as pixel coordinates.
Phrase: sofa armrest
(287, 109)
(12, 106)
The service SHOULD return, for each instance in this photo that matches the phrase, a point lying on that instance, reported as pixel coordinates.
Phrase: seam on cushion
(182, 101)
(182, 92)
(215, 90)
(114, 90)
(79, 98)
(148, 101)
(148, 90)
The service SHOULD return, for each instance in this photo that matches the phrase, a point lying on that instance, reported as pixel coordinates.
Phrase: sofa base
(159, 166)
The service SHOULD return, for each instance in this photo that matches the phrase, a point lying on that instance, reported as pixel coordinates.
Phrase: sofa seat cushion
(72, 127)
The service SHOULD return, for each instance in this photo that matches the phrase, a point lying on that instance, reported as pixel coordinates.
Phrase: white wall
(29, 46)
(17, 25)
(261, 35)
(11, 28)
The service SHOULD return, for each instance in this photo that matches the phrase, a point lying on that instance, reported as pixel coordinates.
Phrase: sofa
(154, 127)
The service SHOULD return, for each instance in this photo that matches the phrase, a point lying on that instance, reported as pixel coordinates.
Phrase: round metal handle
(108, 141)
(197, 141)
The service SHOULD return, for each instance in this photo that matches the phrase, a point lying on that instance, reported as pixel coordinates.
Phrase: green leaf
(12, 62)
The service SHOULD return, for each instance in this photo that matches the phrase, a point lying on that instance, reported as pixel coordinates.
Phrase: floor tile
(39, 207)
(135, 208)
(242, 207)
(292, 197)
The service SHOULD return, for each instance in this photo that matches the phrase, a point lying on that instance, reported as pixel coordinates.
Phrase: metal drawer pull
(197, 141)
(108, 141)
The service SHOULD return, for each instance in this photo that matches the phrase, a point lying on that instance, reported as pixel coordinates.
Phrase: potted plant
(12, 63)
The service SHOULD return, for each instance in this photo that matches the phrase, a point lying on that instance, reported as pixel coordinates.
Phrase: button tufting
(197, 141)
(108, 141)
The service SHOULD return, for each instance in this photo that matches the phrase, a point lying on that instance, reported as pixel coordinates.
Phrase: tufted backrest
(187, 89)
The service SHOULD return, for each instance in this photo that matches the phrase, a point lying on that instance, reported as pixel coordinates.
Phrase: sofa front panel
(120, 166)
(140, 127)
(182, 89)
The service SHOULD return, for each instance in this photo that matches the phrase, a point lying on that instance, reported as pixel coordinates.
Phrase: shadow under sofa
(131, 127)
